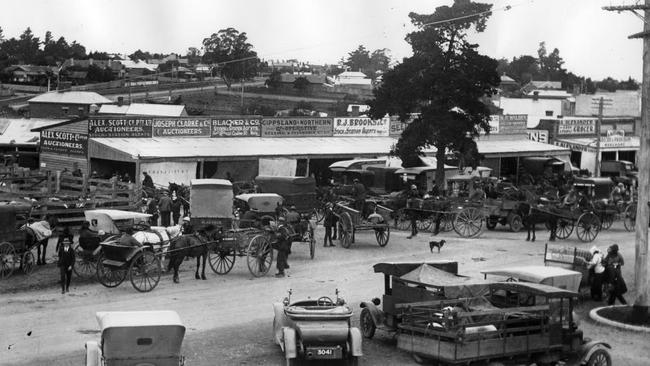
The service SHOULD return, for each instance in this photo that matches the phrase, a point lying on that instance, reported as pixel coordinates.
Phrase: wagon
(14, 250)
(142, 265)
(316, 330)
(153, 338)
(515, 322)
(586, 223)
(571, 258)
(296, 191)
(598, 191)
(351, 220)
(211, 201)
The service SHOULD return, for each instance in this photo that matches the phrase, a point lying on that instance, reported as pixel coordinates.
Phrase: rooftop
(144, 109)
(70, 97)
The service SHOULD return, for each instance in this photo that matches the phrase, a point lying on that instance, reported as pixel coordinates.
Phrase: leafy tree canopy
(231, 50)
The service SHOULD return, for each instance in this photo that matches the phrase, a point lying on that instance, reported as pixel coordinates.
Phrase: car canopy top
(536, 289)
(547, 275)
(141, 334)
(453, 285)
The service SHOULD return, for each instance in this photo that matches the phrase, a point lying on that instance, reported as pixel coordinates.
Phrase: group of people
(605, 269)
(168, 209)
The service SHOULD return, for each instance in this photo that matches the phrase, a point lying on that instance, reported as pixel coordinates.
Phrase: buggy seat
(89, 243)
(310, 309)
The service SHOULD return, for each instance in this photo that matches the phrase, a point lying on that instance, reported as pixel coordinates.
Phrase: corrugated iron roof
(19, 131)
(71, 97)
(144, 109)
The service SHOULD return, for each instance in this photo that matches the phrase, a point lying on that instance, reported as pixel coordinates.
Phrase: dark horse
(195, 245)
(532, 215)
(31, 238)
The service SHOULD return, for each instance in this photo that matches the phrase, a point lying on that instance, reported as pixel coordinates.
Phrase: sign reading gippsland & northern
(297, 127)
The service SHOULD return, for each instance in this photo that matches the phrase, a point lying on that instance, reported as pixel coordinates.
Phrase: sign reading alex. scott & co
(119, 127)
(235, 127)
(296, 127)
(576, 126)
(182, 127)
(361, 127)
(71, 143)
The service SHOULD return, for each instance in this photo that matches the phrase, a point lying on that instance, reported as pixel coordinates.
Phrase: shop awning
(509, 148)
(152, 148)
(606, 143)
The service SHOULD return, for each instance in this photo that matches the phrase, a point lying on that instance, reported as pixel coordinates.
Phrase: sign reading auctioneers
(71, 143)
(361, 126)
(182, 127)
(119, 127)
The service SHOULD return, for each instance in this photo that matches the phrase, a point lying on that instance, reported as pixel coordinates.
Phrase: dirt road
(228, 318)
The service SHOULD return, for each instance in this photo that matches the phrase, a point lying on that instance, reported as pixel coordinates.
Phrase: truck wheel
(366, 323)
(600, 358)
(353, 361)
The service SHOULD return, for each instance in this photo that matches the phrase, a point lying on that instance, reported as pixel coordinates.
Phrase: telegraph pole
(600, 104)
(641, 270)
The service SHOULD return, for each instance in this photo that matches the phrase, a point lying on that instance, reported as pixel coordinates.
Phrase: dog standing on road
(436, 244)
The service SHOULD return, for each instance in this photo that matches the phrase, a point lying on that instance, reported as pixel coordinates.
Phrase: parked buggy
(598, 192)
(351, 220)
(14, 248)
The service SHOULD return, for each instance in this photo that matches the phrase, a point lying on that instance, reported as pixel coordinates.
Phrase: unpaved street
(229, 318)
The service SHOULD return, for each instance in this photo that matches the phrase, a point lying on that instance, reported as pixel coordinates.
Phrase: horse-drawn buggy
(598, 192)
(372, 217)
(15, 246)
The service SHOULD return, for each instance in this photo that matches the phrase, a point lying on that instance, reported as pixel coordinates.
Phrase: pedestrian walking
(283, 246)
(617, 287)
(413, 194)
(176, 208)
(66, 262)
(65, 234)
(165, 208)
(329, 221)
(596, 274)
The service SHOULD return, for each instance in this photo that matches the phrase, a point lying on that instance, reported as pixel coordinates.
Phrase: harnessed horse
(195, 246)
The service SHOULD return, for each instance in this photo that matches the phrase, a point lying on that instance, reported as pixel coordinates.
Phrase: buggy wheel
(564, 228)
(402, 222)
(259, 256)
(85, 265)
(107, 275)
(312, 243)
(382, 235)
(221, 260)
(490, 223)
(424, 224)
(606, 221)
(366, 323)
(318, 214)
(447, 222)
(515, 222)
(27, 261)
(630, 217)
(468, 222)
(588, 227)
(145, 271)
(7, 260)
(600, 357)
(346, 230)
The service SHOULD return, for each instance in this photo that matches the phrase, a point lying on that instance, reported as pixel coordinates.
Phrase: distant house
(144, 109)
(116, 66)
(30, 74)
(138, 67)
(64, 104)
(352, 78)
(315, 81)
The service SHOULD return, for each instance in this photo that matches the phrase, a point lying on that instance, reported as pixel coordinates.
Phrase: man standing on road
(596, 272)
(282, 245)
(176, 208)
(413, 194)
(359, 195)
(66, 262)
(329, 221)
(165, 208)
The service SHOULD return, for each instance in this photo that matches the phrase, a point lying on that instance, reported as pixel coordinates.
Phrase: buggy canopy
(344, 165)
(551, 276)
(129, 334)
(113, 221)
(211, 198)
(261, 202)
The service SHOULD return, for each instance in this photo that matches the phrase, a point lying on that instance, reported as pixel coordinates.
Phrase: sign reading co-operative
(296, 127)
(182, 127)
(361, 126)
(576, 126)
(235, 127)
(71, 143)
(119, 127)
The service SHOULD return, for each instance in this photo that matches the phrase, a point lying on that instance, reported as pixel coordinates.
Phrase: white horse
(158, 236)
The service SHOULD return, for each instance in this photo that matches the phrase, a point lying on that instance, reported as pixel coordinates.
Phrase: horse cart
(598, 192)
(351, 220)
(14, 246)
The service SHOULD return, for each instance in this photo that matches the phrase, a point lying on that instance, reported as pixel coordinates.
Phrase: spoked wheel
(345, 230)
(221, 260)
(145, 271)
(564, 228)
(366, 323)
(85, 264)
(468, 222)
(312, 243)
(28, 261)
(7, 260)
(107, 275)
(402, 222)
(447, 222)
(318, 214)
(515, 222)
(259, 256)
(600, 358)
(630, 217)
(490, 224)
(606, 221)
(382, 235)
(424, 224)
(588, 227)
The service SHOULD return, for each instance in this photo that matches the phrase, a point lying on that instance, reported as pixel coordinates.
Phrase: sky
(592, 42)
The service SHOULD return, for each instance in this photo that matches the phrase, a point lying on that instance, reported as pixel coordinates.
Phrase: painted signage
(185, 127)
(396, 126)
(538, 135)
(296, 127)
(576, 126)
(71, 143)
(361, 126)
(494, 125)
(165, 172)
(235, 127)
(119, 127)
(512, 124)
(575, 146)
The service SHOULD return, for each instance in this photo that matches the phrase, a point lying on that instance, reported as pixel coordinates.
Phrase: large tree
(231, 50)
(444, 82)
(359, 59)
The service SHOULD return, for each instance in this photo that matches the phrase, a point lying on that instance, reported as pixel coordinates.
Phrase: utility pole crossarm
(626, 7)
(643, 34)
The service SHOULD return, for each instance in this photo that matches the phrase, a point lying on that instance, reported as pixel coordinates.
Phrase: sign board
(182, 127)
(165, 172)
(235, 127)
(575, 146)
(396, 126)
(361, 126)
(119, 127)
(512, 124)
(494, 124)
(296, 127)
(538, 135)
(71, 143)
(576, 126)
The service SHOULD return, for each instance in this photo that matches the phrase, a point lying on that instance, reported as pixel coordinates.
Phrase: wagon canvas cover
(211, 198)
(454, 286)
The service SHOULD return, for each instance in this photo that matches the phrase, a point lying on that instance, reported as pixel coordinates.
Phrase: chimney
(536, 95)
(355, 111)
(120, 101)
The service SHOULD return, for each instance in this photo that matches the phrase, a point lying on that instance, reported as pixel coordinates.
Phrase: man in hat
(147, 181)
(65, 264)
(329, 221)
(165, 208)
(413, 194)
(359, 195)
(176, 208)
(187, 227)
(283, 246)
(596, 273)
(617, 193)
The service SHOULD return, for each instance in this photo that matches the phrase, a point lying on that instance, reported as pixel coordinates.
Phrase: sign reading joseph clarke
(71, 143)
(182, 127)
(296, 127)
(235, 127)
(119, 127)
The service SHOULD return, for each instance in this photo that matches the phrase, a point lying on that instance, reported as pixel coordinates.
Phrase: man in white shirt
(596, 272)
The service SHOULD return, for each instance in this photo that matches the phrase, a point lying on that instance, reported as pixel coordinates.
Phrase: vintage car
(552, 276)
(316, 329)
(151, 338)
